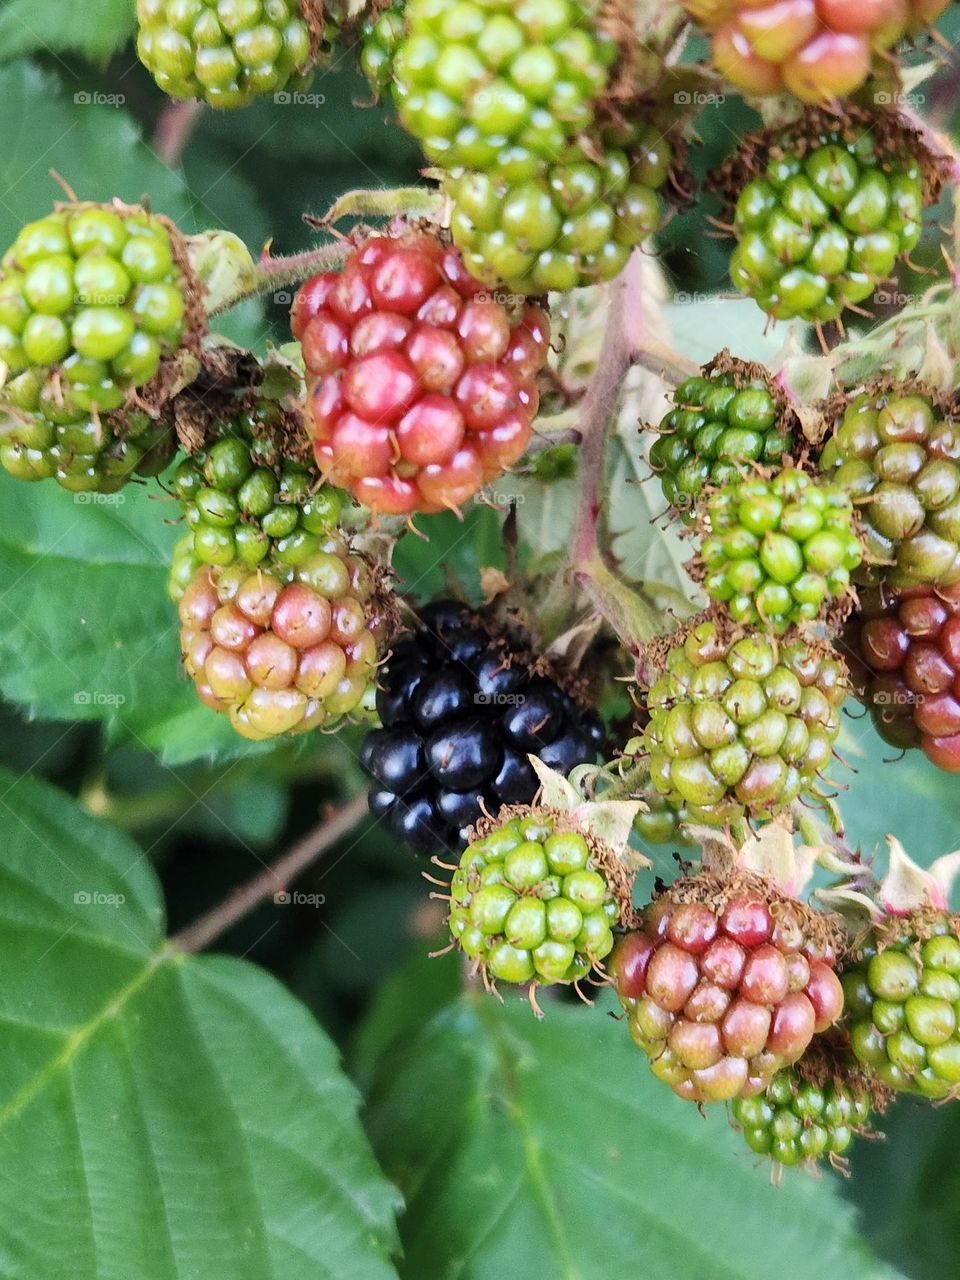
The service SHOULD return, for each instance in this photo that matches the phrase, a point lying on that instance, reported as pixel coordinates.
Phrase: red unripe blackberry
(422, 388)
(818, 50)
(906, 665)
(726, 983)
(286, 648)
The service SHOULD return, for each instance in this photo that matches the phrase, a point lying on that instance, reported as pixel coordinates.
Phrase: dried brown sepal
(911, 931)
(830, 1060)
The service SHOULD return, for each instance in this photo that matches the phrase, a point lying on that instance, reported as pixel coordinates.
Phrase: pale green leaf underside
(161, 1116)
(549, 1150)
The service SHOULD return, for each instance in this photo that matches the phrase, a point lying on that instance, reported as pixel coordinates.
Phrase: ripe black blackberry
(461, 711)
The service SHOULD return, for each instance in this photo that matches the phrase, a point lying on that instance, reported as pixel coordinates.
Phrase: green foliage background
(163, 1116)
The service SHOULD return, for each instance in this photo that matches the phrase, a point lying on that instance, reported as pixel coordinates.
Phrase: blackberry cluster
(91, 299)
(742, 726)
(777, 551)
(245, 498)
(898, 455)
(907, 650)
(285, 648)
(826, 219)
(227, 52)
(530, 901)
(421, 388)
(475, 79)
(796, 1121)
(725, 985)
(902, 1001)
(460, 714)
(818, 50)
(538, 225)
(721, 424)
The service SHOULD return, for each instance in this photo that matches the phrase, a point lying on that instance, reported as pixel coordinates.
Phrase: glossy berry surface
(899, 458)
(91, 300)
(530, 903)
(903, 1002)
(905, 647)
(422, 387)
(742, 726)
(823, 222)
(535, 227)
(795, 1121)
(720, 425)
(817, 50)
(460, 714)
(245, 500)
(283, 648)
(227, 52)
(775, 552)
(721, 994)
(472, 79)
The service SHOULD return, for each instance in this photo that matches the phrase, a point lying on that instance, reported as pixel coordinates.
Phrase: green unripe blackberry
(722, 423)
(92, 298)
(537, 226)
(474, 79)
(897, 453)
(380, 37)
(776, 551)
(183, 567)
(797, 1121)
(245, 500)
(534, 899)
(903, 1001)
(741, 724)
(284, 648)
(662, 823)
(832, 209)
(230, 52)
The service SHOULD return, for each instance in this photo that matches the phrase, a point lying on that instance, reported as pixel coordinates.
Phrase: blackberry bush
(725, 984)
(472, 80)
(461, 713)
(906, 649)
(897, 452)
(776, 552)
(741, 723)
(286, 647)
(823, 210)
(246, 497)
(722, 423)
(421, 388)
(536, 226)
(232, 51)
(531, 900)
(818, 50)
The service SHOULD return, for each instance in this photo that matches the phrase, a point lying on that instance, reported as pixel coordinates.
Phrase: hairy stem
(268, 274)
(272, 879)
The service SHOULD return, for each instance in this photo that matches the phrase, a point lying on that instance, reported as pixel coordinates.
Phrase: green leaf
(88, 632)
(548, 1149)
(95, 28)
(82, 142)
(162, 1116)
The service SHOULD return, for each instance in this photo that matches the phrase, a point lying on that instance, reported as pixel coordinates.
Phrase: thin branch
(269, 274)
(175, 124)
(272, 879)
